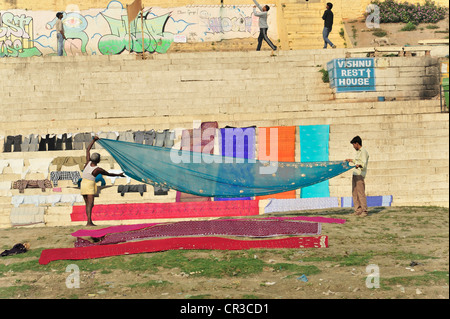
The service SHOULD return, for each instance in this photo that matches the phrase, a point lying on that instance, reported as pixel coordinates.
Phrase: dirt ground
(362, 36)
(390, 238)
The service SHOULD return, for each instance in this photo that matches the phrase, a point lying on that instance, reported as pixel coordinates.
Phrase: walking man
(60, 33)
(359, 173)
(328, 17)
(263, 26)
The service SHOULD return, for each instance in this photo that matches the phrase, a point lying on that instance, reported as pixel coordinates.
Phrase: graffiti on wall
(106, 31)
(16, 36)
(129, 37)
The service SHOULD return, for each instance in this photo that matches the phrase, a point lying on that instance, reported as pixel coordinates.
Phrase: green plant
(392, 12)
(342, 33)
(379, 33)
(325, 76)
(409, 27)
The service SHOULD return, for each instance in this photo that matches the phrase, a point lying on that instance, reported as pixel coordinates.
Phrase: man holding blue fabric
(263, 26)
(359, 174)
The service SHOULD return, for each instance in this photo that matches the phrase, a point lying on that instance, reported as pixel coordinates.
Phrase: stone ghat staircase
(303, 24)
(407, 140)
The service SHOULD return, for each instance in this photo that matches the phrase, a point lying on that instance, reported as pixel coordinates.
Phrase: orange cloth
(285, 137)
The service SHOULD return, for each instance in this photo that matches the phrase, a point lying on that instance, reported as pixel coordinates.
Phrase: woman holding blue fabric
(88, 185)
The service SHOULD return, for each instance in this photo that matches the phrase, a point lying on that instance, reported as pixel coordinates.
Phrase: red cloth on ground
(198, 243)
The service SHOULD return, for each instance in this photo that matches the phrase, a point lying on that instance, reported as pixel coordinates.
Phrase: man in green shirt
(359, 174)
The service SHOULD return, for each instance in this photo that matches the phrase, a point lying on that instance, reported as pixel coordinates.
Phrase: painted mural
(106, 31)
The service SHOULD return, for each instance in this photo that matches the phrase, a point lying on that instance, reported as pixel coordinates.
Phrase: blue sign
(352, 75)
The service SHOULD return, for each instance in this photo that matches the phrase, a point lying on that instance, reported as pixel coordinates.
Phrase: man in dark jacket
(328, 25)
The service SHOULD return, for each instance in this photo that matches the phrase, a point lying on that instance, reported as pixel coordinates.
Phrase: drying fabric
(117, 171)
(199, 140)
(149, 137)
(69, 161)
(126, 136)
(138, 137)
(22, 184)
(213, 175)
(30, 143)
(316, 219)
(372, 201)
(160, 191)
(37, 200)
(15, 164)
(65, 139)
(141, 189)
(47, 143)
(314, 147)
(160, 137)
(237, 142)
(82, 140)
(283, 151)
(64, 175)
(38, 165)
(5, 185)
(168, 210)
(97, 233)
(295, 204)
(98, 178)
(13, 142)
(24, 216)
(110, 135)
(186, 197)
(196, 243)
(230, 227)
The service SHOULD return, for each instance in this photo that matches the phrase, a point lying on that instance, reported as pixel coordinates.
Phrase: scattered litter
(414, 263)
(269, 283)
(418, 291)
(302, 278)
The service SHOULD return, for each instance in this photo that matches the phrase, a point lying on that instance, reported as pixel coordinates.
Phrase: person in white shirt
(88, 186)
(359, 174)
(263, 25)
(60, 33)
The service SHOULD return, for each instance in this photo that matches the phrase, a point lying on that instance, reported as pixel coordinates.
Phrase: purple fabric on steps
(230, 227)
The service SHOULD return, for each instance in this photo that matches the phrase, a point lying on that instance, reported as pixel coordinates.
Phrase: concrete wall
(104, 30)
(357, 6)
(51, 95)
